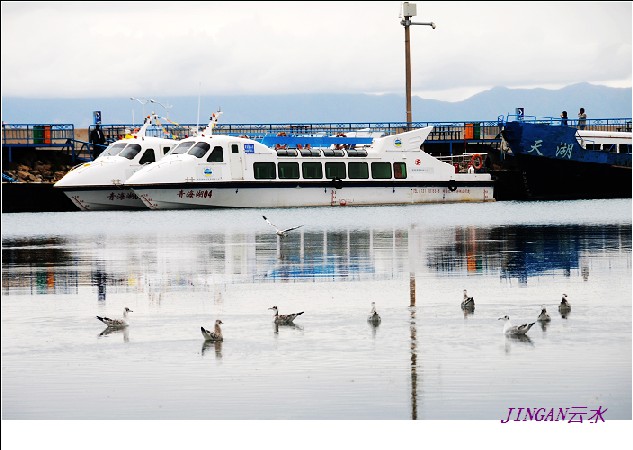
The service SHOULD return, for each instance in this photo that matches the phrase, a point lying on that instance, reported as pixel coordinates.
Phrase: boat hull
(569, 180)
(104, 198)
(282, 195)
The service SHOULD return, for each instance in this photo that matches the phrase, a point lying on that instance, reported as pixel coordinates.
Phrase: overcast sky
(156, 49)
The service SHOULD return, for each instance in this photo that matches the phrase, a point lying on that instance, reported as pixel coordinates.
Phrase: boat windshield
(113, 149)
(199, 150)
(182, 148)
(131, 151)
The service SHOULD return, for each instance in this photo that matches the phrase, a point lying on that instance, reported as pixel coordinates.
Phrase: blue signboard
(520, 113)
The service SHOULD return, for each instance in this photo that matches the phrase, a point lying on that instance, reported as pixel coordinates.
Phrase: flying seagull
(280, 233)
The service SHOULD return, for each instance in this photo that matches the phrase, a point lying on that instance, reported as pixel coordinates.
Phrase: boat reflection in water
(63, 265)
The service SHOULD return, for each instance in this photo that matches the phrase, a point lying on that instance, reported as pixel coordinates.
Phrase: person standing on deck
(563, 119)
(582, 119)
(98, 140)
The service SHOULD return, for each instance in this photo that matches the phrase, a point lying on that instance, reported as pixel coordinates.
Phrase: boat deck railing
(613, 124)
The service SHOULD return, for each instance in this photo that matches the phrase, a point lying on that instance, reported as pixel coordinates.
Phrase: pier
(458, 143)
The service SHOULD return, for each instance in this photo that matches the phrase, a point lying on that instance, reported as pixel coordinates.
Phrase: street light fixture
(142, 101)
(167, 106)
(409, 10)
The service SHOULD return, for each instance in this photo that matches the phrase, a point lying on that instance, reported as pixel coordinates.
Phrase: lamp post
(142, 101)
(408, 11)
(167, 106)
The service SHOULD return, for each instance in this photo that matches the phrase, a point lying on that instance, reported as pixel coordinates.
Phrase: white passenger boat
(221, 171)
(98, 185)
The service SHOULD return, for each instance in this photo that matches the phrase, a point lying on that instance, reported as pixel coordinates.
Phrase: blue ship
(558, 162)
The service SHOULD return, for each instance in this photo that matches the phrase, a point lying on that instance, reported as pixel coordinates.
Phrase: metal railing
(41, 135)
(62, 136)
(612, 124)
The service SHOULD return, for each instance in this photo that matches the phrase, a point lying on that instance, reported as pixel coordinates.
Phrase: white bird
(116, 323)
(543, 317)
(280, 233)
(215, 335)
(469, 302)
(514, 330)
(284, 319)
(564, 306)
(374, 317)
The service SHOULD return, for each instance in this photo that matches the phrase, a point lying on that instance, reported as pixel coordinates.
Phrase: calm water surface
(426, 360)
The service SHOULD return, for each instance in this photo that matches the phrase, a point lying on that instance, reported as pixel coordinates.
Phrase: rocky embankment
(35, 175)
(41, 170)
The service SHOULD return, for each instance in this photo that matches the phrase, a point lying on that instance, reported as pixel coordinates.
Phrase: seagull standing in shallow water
(469, 302)
(564, 306)
(280, 233)
(514, 330)
(374, 317)
(216, 335)
(116, 323)
(284, 319)
(543, 317)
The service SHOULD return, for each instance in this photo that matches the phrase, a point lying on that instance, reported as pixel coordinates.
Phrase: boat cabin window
(335, 170)
(216, 155)
(199, 149)
(312, 170)
(399, 170)
(358, 170)
(131, 151)
(166, 150)
(264, 171)
(610, 147)
(381, 170)
(148, 156)
(235, 148)
(182, 148)
(114, 149)
(625, 148)
(288, 170)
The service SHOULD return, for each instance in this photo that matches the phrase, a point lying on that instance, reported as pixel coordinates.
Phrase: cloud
(162, 49)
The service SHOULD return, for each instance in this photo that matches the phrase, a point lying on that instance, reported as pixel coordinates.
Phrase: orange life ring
(477, 161)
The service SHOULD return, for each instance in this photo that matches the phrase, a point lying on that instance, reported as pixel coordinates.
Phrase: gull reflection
(113, 330)
(374, 327)
(524, 339)
(276, 326)
(544, 325)
(216, 345)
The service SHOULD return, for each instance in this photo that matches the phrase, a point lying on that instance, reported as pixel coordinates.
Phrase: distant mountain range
(598, 101)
